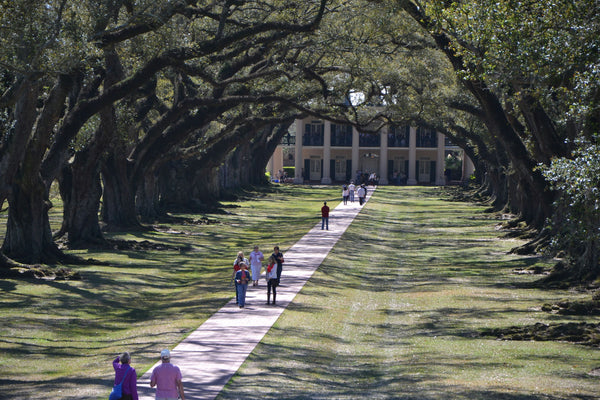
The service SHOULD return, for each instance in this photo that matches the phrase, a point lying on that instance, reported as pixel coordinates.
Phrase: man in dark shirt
(278, 256)
(325, 216)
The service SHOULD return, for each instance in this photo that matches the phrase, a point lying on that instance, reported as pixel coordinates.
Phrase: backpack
(117, 391)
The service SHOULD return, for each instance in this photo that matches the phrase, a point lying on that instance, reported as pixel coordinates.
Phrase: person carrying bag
(117, 392)
(126, 389)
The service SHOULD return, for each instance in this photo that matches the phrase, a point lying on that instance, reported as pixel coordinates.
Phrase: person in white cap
(167, 379)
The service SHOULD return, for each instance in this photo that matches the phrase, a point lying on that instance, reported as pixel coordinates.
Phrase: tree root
(580, 333)
(10, 268)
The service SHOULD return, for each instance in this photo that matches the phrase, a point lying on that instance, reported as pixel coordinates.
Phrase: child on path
(236, 267)
(242, 277)
(271, 277)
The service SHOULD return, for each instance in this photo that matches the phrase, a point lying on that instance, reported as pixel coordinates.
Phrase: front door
(424, 170)
(315, 169)
(340, 169)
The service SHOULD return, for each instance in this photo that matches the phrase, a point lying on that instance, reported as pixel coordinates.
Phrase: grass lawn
(394, 311)
(58, 339)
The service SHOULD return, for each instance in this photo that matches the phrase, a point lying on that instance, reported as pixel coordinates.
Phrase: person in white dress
(256, 259)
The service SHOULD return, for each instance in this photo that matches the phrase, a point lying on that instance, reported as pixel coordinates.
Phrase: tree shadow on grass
(70, 388)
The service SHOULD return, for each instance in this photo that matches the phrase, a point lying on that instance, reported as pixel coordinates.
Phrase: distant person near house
(345, 194)
(351, 189)
(362, 194)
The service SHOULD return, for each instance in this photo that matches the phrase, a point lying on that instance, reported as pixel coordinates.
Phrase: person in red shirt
(325, 216)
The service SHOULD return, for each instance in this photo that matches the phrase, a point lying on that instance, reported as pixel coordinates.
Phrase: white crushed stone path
(211, 354)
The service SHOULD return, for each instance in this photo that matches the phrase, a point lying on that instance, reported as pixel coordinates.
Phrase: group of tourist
(242, 276)
(348, 192)
(166, 377)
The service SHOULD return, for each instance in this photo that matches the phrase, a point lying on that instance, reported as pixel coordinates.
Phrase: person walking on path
(362, 193)
(167, 379)
(351, 189)
(345, 194)
(325, 216)
(279, 260)
(256, 259)
(125, 373)
(271, 276)
(242, 277)
(236, 267)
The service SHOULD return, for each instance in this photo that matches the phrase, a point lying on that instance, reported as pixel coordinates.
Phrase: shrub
(576, 222)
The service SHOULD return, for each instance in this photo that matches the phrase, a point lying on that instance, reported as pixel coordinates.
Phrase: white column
(383, 156)
(412, 157)
(270, 167)
(355, 153)
(468, 167)
(440, 164)
(326, 178)
(298, 161)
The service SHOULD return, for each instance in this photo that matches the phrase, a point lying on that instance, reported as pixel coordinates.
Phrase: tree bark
(81, 192)
(118, 208)
(28, 235)
(147, 198)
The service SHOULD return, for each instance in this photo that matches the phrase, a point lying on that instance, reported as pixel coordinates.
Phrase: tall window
(398, 136)
(369, 140)
(313, 134)
(341, 135)
(426, 137)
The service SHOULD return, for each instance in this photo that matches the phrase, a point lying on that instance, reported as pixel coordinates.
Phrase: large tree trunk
(81, 192)
(118, 208)
(147, 198)
(81, 189)
(28, 235)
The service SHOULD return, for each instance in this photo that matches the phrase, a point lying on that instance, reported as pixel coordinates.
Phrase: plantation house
(328, 153)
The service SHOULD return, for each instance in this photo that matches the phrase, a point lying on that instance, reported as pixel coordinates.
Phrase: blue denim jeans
(241, 289)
